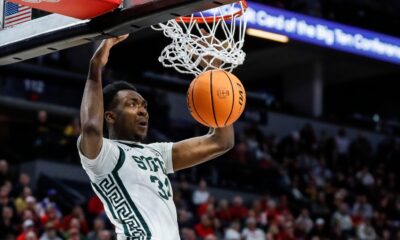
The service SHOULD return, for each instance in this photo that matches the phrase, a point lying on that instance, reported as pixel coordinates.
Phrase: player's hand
(215, 62)
(110, 42)
(100, 57)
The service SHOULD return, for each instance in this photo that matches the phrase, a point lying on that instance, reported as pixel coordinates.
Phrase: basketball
(216, 98)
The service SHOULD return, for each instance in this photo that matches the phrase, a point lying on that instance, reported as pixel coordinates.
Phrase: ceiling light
(267, 35)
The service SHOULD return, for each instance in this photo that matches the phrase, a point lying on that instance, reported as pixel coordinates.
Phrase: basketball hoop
(205, 40)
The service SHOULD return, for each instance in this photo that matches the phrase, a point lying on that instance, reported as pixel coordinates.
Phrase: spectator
(74, 231)
(287, 232)
(5, 199)
(28, 214)
(201, 194)
(98, 226)
(8, 225)
(77, 213)
(238, 211)
(258, 212)
(72, 234)
(365, 231)
(342, 219)
(204, 228)
(223, 212)
(273, 230)
(303, 222)
(207, 207)
(282, 207)
(320, 207)
(210, 237)
(319, 231)
(271, 212)
(386, 235)
(31, 235)
(50, 200)
(217, 227)
(4, 172)
(105, 235)
(233, 232)
(188, 234)
(24, 181)
(362, 207)
(32, 205)
(252, 232)
(50, 233)
(75, 223)
(28, 231)
(321, 173)
(185, 219)
(51, 216)
(20, 201)
(342, 142)
(365, 177)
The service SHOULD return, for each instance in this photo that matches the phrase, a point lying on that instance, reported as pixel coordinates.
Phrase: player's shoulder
(128, 145)
(137, 145)
(160, 147)
(157, 148)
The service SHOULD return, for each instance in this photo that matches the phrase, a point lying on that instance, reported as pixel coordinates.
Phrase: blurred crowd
(330, 187)
(306, 187)
(24, 216)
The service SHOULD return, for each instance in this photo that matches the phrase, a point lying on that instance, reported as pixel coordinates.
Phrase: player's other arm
(193, 151)
(218, 141)
(92, 109)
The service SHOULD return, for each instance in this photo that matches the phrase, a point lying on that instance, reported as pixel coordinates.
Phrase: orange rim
(214, 18)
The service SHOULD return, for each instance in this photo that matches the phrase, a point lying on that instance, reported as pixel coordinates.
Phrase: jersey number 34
(164, 188)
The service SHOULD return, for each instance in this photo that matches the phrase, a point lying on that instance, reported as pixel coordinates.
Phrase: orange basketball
(216, 98)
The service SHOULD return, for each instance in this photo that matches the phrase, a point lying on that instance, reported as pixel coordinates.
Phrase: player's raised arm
(92, 109)
(193, 151)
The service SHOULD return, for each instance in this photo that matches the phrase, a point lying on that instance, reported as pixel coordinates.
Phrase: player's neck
(112, 135)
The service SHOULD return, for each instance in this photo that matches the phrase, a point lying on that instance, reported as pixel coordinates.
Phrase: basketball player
(129, 177)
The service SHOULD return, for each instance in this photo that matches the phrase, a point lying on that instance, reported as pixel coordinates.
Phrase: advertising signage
(324, 33)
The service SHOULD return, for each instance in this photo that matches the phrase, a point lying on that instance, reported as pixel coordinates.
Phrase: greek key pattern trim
(123, 210)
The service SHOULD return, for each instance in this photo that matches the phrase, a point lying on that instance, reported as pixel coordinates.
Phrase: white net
(205, 40)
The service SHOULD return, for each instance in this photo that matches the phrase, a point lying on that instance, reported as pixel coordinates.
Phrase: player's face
(131, 120)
